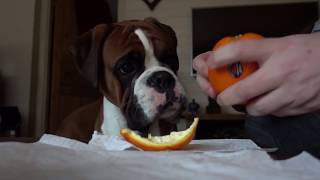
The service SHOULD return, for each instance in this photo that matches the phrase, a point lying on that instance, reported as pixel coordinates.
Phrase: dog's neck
(113, 119)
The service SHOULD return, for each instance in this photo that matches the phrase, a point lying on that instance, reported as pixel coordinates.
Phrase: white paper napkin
(110, 142)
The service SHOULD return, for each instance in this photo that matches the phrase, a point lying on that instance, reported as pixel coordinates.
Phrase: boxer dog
(134, 64)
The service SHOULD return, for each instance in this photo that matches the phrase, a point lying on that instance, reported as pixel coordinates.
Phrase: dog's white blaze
(148, 98)
(150, 59)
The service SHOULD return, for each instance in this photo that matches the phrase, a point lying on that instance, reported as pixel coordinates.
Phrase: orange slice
(173, 141)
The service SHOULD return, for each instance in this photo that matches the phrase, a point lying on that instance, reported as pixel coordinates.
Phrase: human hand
(286, 83)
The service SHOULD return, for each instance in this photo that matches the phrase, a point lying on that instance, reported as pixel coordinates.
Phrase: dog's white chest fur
(113, 119)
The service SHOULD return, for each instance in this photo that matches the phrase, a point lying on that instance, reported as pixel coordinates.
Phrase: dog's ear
(164, 27)
(88, 51)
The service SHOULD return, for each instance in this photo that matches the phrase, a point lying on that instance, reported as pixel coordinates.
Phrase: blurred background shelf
(18, 139)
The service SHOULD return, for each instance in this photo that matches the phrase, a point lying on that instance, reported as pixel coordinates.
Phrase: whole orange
(223, 77)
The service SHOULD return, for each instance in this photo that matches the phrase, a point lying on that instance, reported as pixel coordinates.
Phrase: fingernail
(195, 64)
(219, 101)
(212, 62)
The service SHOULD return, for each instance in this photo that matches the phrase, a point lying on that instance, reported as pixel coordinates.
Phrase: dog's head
(134, 63)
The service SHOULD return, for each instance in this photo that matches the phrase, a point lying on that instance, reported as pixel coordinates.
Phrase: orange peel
(173, 141)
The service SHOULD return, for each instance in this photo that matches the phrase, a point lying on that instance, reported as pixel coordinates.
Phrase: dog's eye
(126, 68)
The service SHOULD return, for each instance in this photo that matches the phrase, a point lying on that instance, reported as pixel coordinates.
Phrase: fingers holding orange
(223, 77)
(205, 86)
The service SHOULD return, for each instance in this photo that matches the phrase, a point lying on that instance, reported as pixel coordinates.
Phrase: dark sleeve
(316, 26)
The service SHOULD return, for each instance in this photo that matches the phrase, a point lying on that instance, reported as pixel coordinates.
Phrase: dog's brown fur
(81, 123)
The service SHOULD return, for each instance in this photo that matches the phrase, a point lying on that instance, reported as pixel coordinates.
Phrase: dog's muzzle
(161, 81)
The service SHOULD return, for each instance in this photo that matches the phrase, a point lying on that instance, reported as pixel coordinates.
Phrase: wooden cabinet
(69, 90)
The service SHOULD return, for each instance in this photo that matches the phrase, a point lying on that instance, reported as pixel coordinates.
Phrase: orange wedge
(173, 141)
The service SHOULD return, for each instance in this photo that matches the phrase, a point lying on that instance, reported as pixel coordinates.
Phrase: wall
(16, 43)
(177, 14)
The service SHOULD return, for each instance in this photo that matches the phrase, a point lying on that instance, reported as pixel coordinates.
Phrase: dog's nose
(161, 81)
